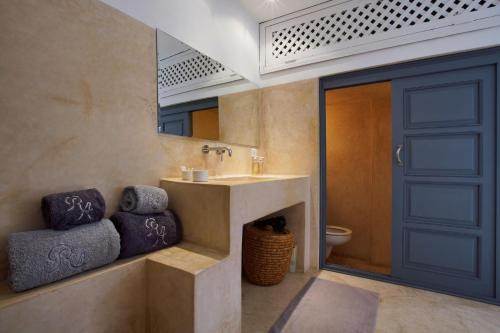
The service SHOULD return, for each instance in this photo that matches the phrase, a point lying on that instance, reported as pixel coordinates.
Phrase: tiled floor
(401, 309)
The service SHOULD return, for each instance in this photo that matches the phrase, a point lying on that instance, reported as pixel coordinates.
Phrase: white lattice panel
(340, 28)
(190, 70)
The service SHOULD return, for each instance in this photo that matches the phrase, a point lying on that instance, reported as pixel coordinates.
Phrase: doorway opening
(358, 177)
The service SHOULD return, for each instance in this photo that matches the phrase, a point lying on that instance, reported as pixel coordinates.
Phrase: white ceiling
(265, 10)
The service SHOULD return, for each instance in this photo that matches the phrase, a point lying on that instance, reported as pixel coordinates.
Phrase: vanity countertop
(235, 180)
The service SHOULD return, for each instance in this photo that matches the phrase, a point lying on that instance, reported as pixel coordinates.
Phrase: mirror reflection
(230, 118)
(199, 119)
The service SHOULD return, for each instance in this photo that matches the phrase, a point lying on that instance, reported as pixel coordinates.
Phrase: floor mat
(326, 306)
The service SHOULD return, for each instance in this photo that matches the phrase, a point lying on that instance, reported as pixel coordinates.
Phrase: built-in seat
(155, 292)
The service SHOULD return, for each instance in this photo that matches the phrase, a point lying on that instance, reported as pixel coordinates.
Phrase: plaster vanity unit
(213, 215)
(192, 287)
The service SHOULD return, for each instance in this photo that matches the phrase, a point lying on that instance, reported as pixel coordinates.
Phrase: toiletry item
(257, 163)
(293, 260)
(43, 256)
(255, 166)
(146, 233)
(143, 199)
(63, 211)
(261, 166)
(187, 175)
(200, 175)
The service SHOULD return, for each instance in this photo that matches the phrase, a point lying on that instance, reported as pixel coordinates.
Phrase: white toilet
(336, 236)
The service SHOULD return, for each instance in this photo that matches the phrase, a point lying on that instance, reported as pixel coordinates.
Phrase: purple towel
(63, 211)
(146, 233)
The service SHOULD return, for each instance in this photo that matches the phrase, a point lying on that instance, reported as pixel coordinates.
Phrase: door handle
(399, 161)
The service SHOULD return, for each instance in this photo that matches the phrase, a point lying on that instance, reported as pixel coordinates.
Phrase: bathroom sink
(243, 178)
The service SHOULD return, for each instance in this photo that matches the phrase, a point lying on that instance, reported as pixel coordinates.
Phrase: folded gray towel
(142, 199)
(43, 256)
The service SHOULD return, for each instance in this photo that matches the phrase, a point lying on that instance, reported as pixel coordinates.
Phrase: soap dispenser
(257, 163)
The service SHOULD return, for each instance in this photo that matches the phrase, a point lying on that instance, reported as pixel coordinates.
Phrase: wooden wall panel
(206, 124)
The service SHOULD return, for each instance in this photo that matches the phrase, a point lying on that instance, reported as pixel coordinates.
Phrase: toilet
(335, 236)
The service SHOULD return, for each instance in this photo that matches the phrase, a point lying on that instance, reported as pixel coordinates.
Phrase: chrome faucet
(219, 150)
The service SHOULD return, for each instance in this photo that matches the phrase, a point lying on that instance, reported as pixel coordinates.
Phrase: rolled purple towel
(63, 211)
(146, 233)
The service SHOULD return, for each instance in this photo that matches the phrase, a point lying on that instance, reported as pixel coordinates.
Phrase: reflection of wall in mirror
(232, 119)
(206, 124)
(239, 116)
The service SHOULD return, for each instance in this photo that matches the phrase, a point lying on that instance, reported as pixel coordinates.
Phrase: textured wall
(239, 117)
(78, 109)
(359, 169)
(290, 139)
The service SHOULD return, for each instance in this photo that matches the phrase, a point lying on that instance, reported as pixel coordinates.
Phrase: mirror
(187, 73)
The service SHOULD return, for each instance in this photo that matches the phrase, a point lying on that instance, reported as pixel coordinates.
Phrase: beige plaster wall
(78, 109)
(239, 117)
(290, 139)
(111, 299)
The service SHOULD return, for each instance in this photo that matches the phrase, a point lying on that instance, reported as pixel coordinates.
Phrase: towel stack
(145, 224)
(80, 240)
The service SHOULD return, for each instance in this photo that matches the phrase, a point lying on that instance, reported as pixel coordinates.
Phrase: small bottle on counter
(257, 163)
(261, 165)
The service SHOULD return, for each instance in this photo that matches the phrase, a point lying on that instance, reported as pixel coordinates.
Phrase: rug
(326, 306)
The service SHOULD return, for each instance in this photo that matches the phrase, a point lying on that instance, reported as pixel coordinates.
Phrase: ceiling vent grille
(340, 28)
(190, 70)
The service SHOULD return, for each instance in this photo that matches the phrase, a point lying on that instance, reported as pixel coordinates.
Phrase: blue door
(176, 123)
(444, 180)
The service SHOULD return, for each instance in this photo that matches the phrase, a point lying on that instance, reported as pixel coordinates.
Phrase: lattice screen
(191, 70)
(353, 22)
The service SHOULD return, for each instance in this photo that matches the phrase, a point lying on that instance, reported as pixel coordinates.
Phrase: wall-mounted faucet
(220, 150)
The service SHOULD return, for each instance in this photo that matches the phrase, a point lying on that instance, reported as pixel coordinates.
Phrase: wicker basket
(266, 254)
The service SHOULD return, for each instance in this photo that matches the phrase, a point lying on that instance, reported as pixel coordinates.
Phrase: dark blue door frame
(439, 64)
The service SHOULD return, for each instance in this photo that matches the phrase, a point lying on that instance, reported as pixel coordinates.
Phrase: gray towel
(43, 256)
(142, 199)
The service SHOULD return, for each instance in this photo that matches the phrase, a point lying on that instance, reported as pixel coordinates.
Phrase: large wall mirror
(229, 118)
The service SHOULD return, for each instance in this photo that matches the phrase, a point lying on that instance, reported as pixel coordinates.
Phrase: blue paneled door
(175, 123)
(444, 181)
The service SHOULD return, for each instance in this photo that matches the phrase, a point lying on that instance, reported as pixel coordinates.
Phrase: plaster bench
(156, 292)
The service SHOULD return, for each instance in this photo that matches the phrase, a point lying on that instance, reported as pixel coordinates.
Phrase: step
(130, 295)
